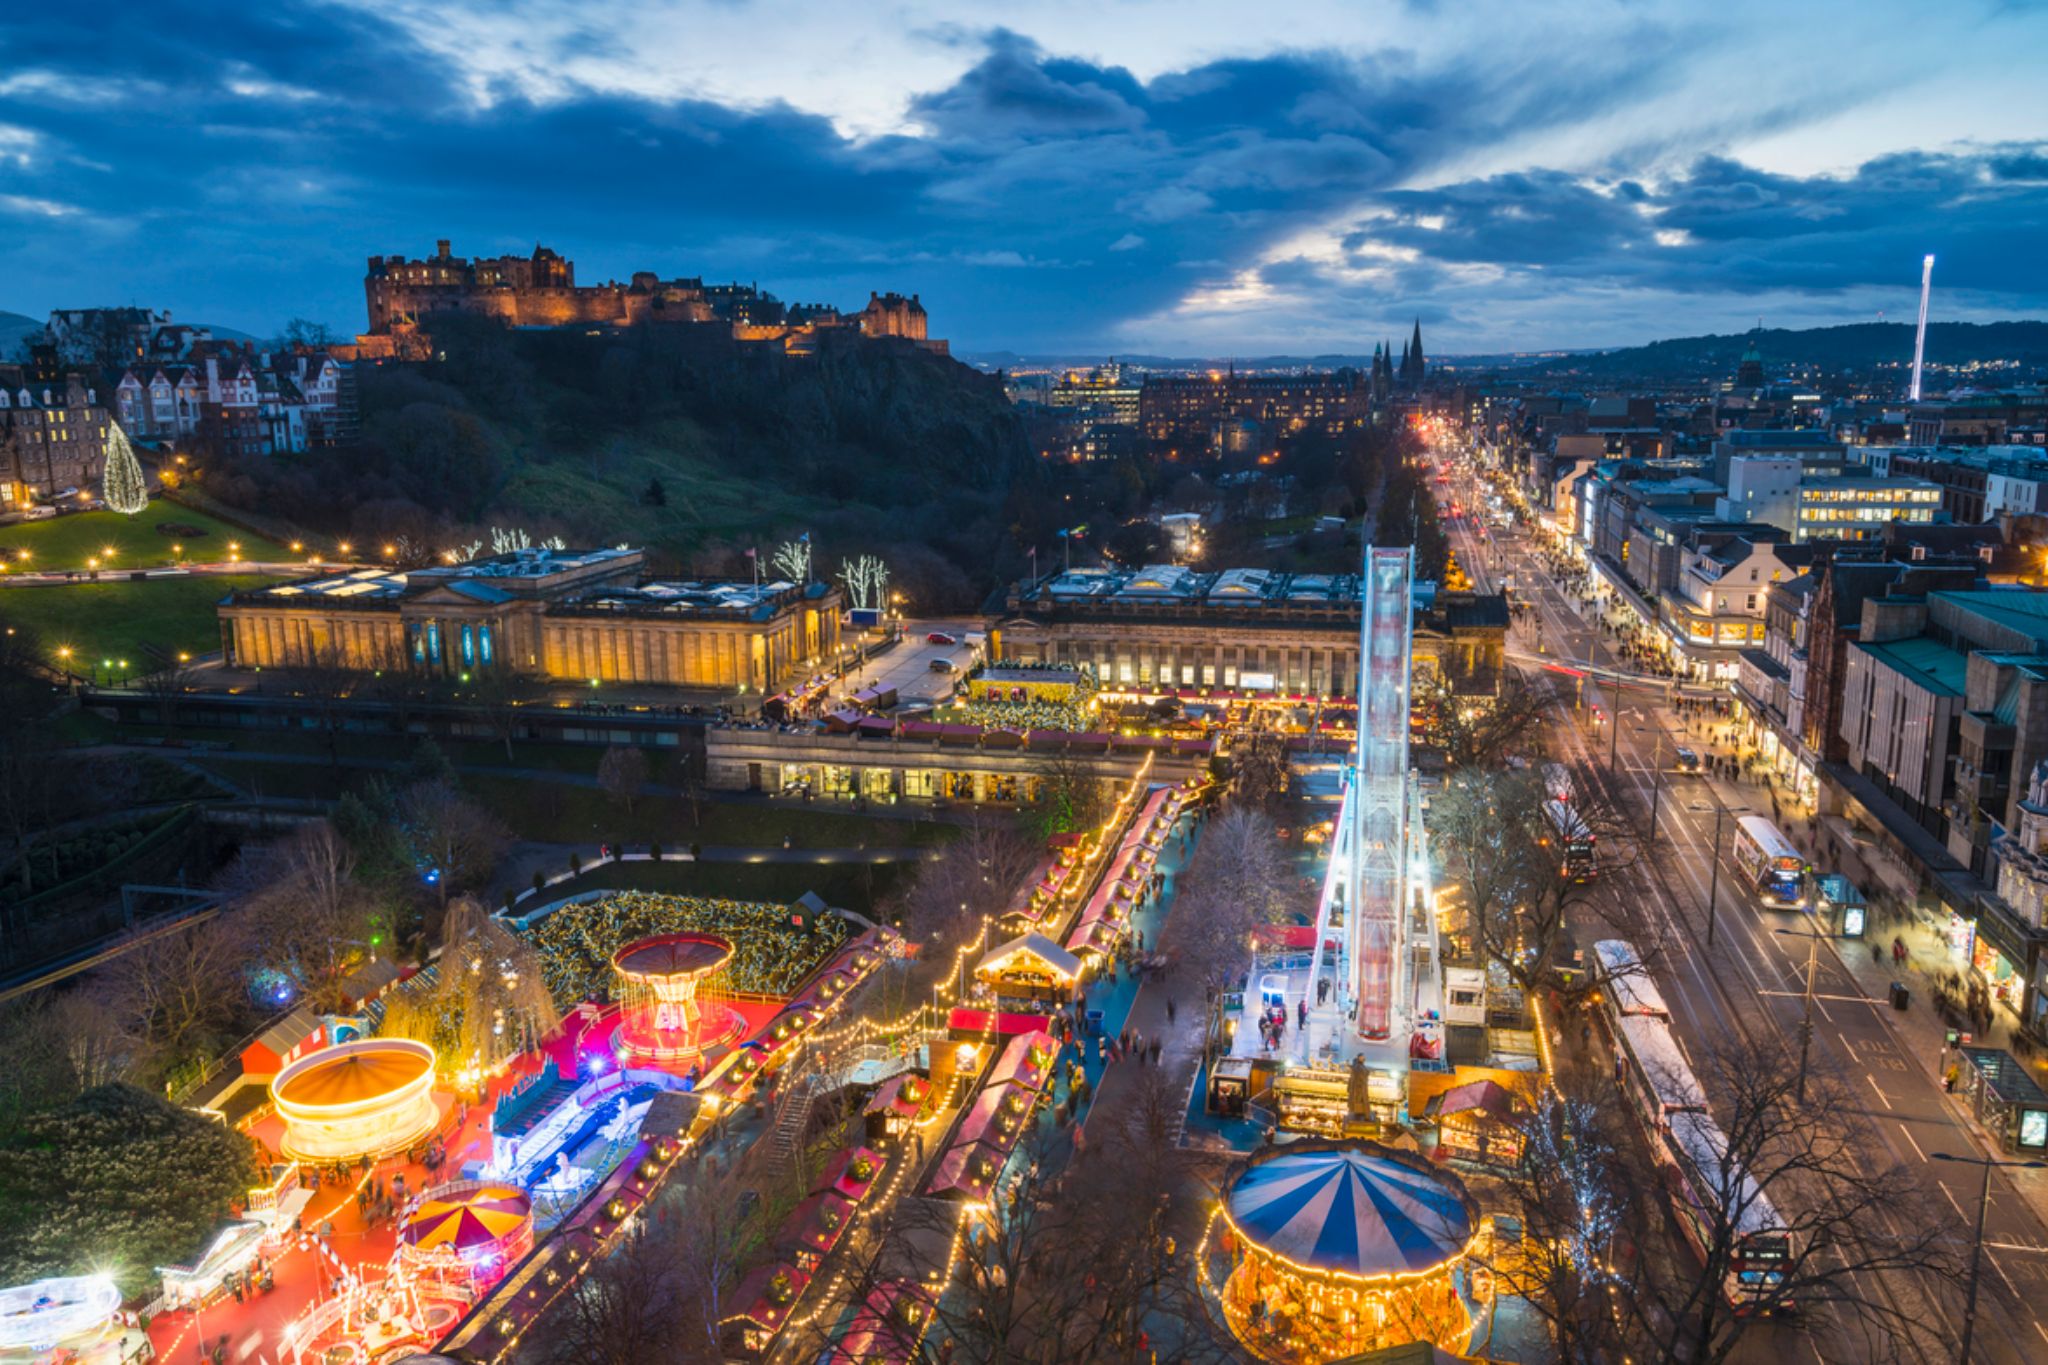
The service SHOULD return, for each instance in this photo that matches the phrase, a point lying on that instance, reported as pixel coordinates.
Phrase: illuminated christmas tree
(121, 481)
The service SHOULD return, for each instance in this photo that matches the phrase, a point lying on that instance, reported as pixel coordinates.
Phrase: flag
(750, 552)
(804, 539)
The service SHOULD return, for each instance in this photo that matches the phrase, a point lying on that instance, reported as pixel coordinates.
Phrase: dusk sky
(1198, 177)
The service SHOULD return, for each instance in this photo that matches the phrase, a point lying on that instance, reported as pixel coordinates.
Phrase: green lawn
(121, 620)
(67, 542)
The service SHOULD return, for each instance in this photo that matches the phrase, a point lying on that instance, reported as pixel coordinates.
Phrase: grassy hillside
(165, 534)
(154, 619)
(676, 439)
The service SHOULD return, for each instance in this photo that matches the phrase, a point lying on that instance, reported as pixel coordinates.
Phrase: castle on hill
(541, 291)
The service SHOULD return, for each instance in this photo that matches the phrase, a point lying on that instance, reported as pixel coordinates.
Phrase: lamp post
(1812, 937)
(1714, 864)
(1656, 780)
(1977, 1243)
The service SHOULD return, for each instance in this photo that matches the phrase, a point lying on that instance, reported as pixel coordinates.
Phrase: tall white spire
(1920, 332)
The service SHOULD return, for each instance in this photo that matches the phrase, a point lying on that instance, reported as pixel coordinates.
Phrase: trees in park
(974, 876)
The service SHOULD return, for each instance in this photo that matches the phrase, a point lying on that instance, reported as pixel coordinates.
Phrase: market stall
(1030, 969)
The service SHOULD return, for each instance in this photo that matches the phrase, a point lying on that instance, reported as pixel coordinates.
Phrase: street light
(1714, 862)
(1813, 937)
(1977, 1245)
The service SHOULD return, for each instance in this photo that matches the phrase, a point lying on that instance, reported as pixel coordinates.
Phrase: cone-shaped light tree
(121, 482)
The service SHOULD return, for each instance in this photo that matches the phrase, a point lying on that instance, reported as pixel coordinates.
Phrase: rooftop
(1935, 667)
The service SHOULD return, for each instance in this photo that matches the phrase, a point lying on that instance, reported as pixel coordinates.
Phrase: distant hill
(1855, 347)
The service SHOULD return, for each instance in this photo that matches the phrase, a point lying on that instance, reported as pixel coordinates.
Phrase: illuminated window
(468, 647)
(483, 640)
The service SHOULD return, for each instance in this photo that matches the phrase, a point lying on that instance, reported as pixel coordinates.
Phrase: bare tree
(1071, 797)
(621, 773)
(659, 1297)
(1258, 767)
(1238, 879)
(1855, 1222)
(976, 875)
(167, 684)
(792, 559)
(1482, 733)
(305, 913)
(1504, 862)
(866, 580)
(457, 837)
(495, 694)
(174, 996)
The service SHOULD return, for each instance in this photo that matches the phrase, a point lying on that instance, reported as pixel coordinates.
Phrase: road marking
(2015, 1246)
(2010, 1288)
(1951, 1199)
(1838, 999)
(1880, 1093)
(1847, 1046)
(1902, 1128)
(2039, 1328)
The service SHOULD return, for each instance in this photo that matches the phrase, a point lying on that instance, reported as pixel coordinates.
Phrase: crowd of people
(771, 954)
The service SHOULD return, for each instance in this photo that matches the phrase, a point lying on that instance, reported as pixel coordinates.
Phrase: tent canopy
(1351, 1211)
(1032, 945)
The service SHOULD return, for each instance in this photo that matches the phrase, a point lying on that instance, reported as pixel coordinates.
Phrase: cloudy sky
(1184, 176)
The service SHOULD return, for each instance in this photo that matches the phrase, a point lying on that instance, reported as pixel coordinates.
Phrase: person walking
(1169, 1010)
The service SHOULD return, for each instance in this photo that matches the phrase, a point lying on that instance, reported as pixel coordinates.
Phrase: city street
(1753, 979)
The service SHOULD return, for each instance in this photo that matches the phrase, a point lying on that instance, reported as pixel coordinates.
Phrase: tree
(974, 877)
(1476, 732)
(302, 332)
(1034, 1283)
(1071, 797)
(660, 1296)
(1238, 879)
(495, 693)
(121, 484)
(1258, 767)
(1136, 542)
(117, 1180)
(176, 996)
(792, 559)
(451, 835)
(307, 916)
(489, 1001)
(1503, 861)
(866, 580)
(621, 773)
(654, 495)
(167, 684)
(1854, 1219)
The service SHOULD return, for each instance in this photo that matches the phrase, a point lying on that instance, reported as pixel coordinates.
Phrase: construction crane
(1920, 332)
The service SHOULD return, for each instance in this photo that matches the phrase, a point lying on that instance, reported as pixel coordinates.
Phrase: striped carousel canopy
(468, 1220)
(1350, 1211)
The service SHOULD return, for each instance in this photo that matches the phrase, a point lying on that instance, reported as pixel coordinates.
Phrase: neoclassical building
(1245, 630)
(547, 613)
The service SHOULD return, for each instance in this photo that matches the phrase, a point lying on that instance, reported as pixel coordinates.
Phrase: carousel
(1335, 1248)
(668, 1011)
(476, 1228)
(366, 1099)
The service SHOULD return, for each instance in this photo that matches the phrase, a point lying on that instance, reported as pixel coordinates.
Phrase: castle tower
(1749, 372)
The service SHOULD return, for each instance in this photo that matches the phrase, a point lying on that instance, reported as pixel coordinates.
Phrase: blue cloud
(238, 163)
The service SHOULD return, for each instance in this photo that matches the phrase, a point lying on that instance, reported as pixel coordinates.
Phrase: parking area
(908, 667)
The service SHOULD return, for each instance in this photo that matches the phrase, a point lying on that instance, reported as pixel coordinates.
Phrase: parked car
(1688, 761)
(939, 637)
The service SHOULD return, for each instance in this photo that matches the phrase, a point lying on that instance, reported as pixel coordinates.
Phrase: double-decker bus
(1770, 864)
(1709, 1190)
(1625, 985)
(1557, 783)
(1575, 841)
(1671, 1106)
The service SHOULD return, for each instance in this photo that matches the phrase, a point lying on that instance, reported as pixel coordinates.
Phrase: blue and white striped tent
(1350, 1211)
